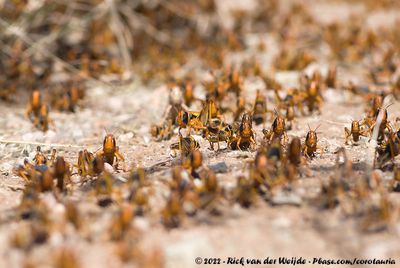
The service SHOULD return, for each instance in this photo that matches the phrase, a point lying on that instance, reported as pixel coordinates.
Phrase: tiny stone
(108, 168)
(286, 198)
(219, 167)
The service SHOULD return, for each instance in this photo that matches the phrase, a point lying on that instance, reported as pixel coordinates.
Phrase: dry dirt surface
(292, 225)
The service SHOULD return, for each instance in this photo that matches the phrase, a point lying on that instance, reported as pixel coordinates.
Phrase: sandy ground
(255, 233)
(258, 232)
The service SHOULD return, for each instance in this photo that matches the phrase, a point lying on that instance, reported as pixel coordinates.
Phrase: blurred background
(56, 44)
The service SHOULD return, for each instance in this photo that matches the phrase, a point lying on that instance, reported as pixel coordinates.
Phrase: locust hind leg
(253, 142)
(212, 146)
(238, 143)
(304, 149)
(285, 140)
(347, 134)
(119, 156)
(321, 150)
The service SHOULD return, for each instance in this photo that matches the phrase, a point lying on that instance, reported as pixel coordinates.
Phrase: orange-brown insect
(210, 182)
(376, 104)
(313, 98)
(235, 81)
(175, 104)
(7, 91)
(72, 214)
(61, 172)
(294, 151)
(292, 59)
(271, 83)
(240, 107)
(355, 132)
(186, 145)
(189, 119)
(42, 121)
(45, 181)
(37, 111)
(290, 115)
(66, 258)
(196, 159)
(68, 100)
(215, 89)
(34, 105)
(260, 171)
(162, 132)
(180, 183)
(317, 77)
(259, 108)
(115, 67)
(209, 193)
(378, 216)
(29, 202)
(44, 116)
(330, 193)
(40, 158)
(122, 222)
(382, 115)
(388, 149)
(209, 112)
(277, 131)
(245, 137)
(193, 162)
(293, 99)
(245, 193)
(110, 151)
(38, 176)
(188, 94)
(217, 131)
(330, 80)
(97, 165)
(172, 214)
(310, 145)
(138, 177)
(25, 171)
(85, 164)
(338, 183)
(139, 198)
(52, 158)
(395, 184)
(104, 189)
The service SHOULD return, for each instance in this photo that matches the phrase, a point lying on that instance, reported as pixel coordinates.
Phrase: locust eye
(185, 118)
(275, 123)
(377, 112)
